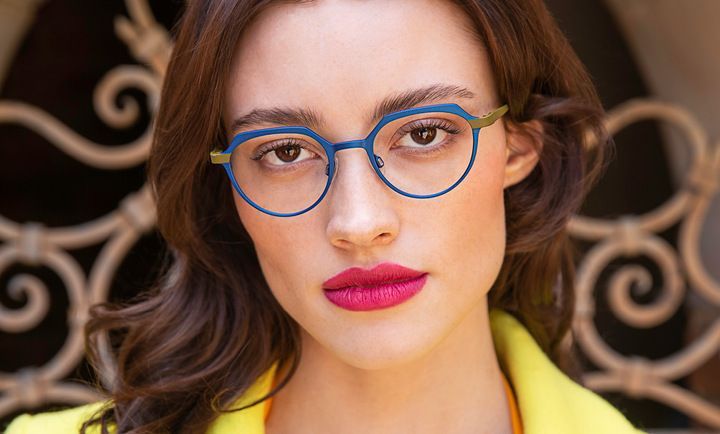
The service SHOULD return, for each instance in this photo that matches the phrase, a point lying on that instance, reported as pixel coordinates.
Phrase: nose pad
(379, 161)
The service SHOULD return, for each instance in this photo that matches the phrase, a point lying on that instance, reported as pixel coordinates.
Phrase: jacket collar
(548, 400)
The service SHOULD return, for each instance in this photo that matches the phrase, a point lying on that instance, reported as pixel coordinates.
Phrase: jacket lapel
(251, 420)
(548, 400)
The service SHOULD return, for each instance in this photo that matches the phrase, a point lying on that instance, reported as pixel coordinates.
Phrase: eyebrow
(392, 103)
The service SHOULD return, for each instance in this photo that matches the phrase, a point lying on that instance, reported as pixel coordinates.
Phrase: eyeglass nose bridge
(350, 144)
(364, 144)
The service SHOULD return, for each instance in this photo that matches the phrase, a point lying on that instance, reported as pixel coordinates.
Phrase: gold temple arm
(217, 157)
(489, 118)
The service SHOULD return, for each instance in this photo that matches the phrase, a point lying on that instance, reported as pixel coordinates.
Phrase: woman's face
(339, 59)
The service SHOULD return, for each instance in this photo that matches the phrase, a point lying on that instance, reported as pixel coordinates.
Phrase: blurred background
(79, 84)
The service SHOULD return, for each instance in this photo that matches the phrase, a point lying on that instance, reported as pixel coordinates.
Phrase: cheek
(279, 245)
(251, 220)
(484, 191)
(477, 213)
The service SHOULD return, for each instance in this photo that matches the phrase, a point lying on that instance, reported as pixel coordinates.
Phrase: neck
(456, 388)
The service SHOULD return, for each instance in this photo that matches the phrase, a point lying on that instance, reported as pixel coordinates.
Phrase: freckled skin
(387, 369)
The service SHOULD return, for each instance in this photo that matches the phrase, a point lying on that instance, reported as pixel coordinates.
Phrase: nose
(362, 208)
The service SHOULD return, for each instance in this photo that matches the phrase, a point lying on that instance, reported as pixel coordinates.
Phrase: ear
(523, 148)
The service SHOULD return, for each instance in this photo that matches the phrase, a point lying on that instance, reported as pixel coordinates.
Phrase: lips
(381, 274)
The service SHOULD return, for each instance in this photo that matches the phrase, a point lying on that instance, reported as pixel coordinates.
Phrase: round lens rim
(475, 132)
(237, 141)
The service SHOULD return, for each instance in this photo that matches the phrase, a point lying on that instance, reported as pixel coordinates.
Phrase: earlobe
(522, 151)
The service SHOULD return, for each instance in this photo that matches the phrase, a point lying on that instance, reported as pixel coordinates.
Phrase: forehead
(339, 57)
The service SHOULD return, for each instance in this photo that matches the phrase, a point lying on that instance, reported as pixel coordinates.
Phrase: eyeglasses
(421, 152)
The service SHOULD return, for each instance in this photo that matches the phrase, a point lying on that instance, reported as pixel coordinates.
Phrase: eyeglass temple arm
(489, 118)
(217, 157)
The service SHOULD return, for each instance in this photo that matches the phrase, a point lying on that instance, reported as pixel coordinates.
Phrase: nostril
(385, 237)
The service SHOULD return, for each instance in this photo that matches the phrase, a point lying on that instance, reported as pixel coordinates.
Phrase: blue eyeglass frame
(476, 123)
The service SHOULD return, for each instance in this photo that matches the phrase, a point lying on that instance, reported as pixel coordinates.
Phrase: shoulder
(66, 421)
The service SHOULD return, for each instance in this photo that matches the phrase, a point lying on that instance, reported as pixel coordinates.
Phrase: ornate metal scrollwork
(631, 236)
(34, 244)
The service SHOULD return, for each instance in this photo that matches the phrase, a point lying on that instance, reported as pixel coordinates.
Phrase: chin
(378, 350)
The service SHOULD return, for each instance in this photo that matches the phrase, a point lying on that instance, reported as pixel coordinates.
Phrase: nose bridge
(357, 144)
(348, 144)
(358, 177)
(360, 214)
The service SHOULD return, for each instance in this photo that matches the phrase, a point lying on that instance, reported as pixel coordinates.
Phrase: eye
(426, 133)
(282, 153)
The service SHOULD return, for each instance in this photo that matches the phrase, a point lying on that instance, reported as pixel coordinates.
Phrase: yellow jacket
(548, 400)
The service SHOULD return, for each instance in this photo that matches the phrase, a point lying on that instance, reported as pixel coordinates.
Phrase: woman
(385, 249)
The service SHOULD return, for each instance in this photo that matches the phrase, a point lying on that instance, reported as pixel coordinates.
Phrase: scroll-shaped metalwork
(636, 235)
(35, 245)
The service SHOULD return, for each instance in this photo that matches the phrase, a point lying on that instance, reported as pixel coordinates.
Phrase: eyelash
(432, 123)
(258, 154)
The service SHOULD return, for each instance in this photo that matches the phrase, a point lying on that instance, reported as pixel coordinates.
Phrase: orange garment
(270, 400)
(514, 413)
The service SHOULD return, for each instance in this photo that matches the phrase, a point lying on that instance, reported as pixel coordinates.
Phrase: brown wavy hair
(189, 347)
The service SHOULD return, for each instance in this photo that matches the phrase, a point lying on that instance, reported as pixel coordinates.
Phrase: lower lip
(375, 297)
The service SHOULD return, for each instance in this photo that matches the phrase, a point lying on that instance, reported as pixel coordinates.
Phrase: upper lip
(382, 273)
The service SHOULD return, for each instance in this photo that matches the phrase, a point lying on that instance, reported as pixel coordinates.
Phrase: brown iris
(423, 135)
(288, 154)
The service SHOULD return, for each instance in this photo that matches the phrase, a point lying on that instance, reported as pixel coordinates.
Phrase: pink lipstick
(385, 285)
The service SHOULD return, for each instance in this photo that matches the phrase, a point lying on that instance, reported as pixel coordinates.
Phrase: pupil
(287, 153)
(423, 135)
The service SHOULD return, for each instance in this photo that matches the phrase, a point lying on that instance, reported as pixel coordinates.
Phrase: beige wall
(15, 19)
(676, 45)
